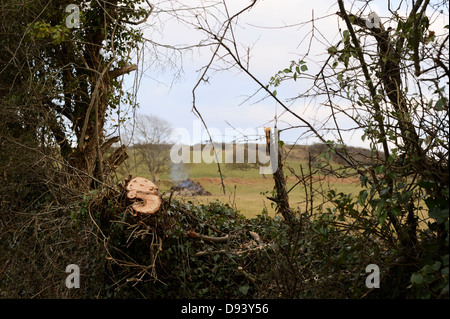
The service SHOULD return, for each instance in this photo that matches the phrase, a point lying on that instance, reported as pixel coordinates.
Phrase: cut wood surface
(146, 196)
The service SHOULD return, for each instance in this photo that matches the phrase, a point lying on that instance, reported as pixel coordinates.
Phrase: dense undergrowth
(60, 92)
(125, 256)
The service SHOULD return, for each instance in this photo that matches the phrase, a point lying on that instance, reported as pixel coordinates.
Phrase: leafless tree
(151, 140)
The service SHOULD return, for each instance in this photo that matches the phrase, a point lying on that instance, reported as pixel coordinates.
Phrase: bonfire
(188, 187)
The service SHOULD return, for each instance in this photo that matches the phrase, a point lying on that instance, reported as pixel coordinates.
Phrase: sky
(275, 32)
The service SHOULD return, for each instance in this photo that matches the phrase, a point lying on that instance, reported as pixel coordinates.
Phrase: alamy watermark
(73, 279)
(373, 280)
(373, 21)
(182, 152)
(73, 19)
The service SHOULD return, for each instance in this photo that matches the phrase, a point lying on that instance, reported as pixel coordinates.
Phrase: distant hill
(296, 152)
(302, 152)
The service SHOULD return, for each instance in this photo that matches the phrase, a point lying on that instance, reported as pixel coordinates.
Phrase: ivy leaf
(379, 169)
(416, 278)
(439, 106)
(332, 50)
(445, 260)
(426, 184)
(382, 217)
(362, 197)
(346, 33)
(244, 289)
(437, 209)
(392, 175)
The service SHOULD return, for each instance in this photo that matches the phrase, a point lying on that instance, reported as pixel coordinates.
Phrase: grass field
(248, 195)
(247, 189)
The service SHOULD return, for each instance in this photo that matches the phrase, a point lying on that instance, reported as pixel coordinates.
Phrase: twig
(224, 239)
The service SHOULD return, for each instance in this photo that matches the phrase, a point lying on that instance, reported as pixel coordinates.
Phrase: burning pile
(188, 187)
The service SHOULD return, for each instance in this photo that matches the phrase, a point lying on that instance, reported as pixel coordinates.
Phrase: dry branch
(121, 71)
(245, 248)
(256, 237)
(118, 157)
(224, 239)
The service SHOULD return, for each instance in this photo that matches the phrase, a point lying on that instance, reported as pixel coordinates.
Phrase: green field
(246, 189)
